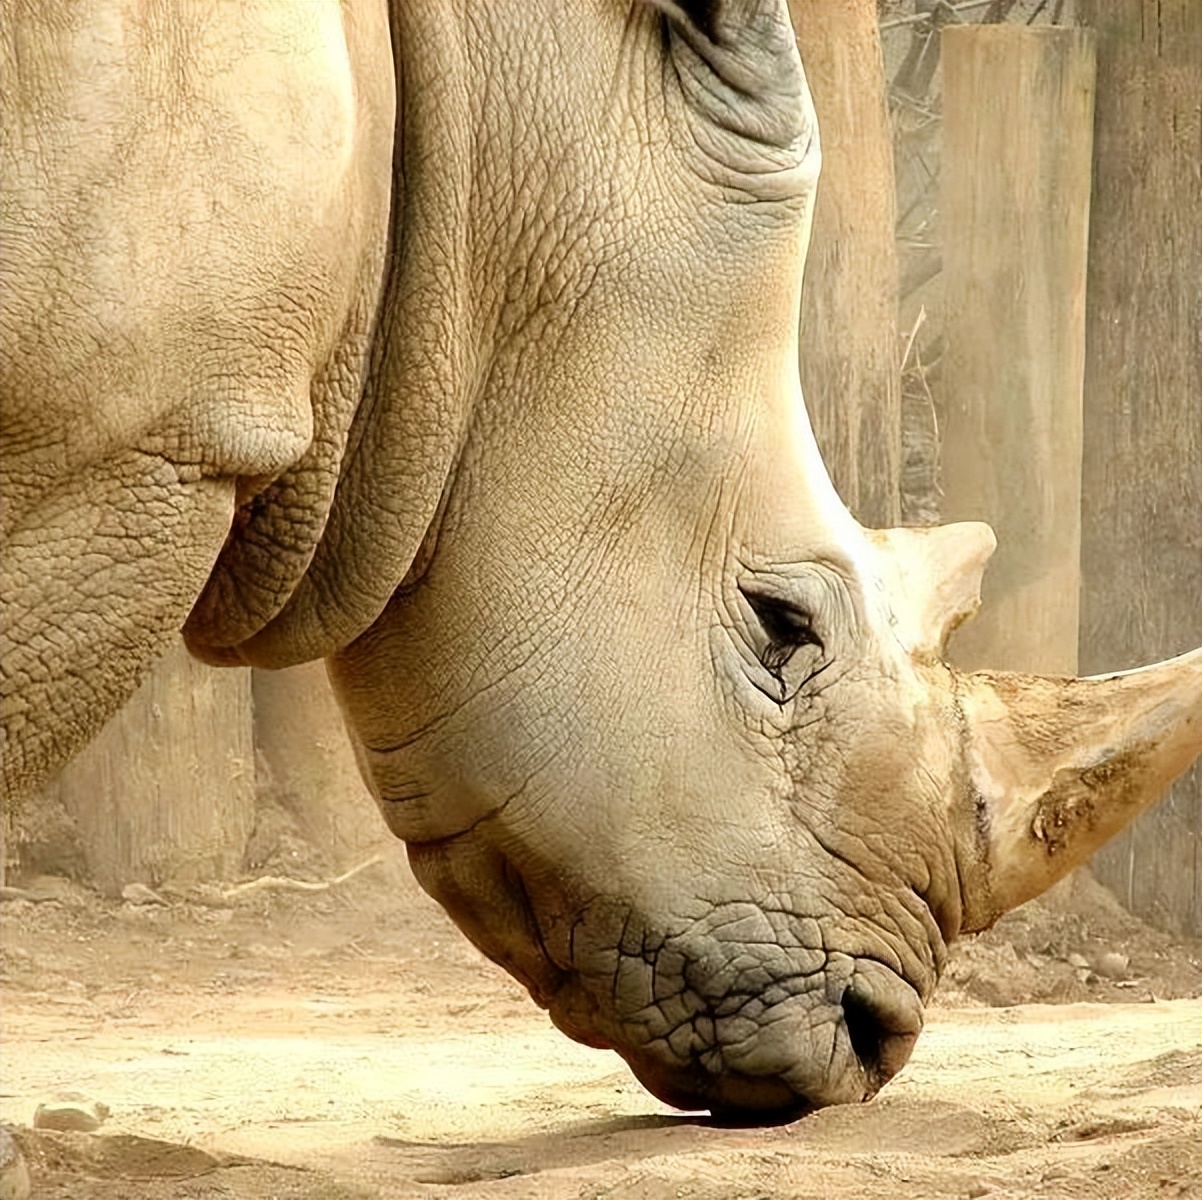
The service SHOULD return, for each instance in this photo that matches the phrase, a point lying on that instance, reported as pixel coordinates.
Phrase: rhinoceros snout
(757, 1031)
(796, 1064)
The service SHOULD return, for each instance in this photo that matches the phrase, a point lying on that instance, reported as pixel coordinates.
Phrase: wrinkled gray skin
(513, 434)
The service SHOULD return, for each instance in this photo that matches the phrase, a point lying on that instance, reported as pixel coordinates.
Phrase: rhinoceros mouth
(754, 1030)
(738, 1008)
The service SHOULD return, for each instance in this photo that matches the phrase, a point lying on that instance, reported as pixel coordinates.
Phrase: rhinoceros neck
(415, 374)
(479, 237)
(555, 334)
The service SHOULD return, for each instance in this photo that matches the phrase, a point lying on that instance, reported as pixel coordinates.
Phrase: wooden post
(166, 792)
(848, 358)
(1141, 538)
(1017, 144)
(305, 763)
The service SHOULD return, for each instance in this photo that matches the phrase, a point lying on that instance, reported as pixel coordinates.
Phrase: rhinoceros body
(457, 344)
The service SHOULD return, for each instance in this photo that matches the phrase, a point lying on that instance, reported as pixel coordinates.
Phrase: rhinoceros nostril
(882, 1030)
(865, 1035)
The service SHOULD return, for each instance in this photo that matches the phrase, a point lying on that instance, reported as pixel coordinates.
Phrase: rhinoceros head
(715, 799)
(667, 732)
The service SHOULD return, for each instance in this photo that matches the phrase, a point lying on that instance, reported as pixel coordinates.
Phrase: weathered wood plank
(166, 792)
(1141, 532)
(305, 762)
(848, 358)
(1016, 162)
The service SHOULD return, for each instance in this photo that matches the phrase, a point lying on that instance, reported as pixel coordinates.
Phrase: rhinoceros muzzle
(753, 1029)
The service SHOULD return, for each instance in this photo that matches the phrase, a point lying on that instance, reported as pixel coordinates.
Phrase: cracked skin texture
(479, 378)
(194, 236)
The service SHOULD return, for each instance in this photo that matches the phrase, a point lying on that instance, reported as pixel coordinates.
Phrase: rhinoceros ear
(727, 21)
(932, 578)
(1061, 765)
(737, 66)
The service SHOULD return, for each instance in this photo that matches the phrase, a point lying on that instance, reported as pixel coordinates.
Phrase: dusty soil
(349, 1044)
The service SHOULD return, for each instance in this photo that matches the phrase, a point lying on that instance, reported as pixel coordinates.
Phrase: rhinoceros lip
(741, 1088)
(810, 1035)
(754, 1030)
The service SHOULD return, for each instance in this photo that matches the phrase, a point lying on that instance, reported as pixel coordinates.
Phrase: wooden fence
(1071, 389)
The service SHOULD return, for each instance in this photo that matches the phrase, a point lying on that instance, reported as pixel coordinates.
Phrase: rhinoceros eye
(786, 629)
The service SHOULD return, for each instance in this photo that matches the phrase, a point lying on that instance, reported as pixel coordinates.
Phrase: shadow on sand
(575, 1144)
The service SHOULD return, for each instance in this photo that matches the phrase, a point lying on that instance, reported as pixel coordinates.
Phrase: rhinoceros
(457, 344)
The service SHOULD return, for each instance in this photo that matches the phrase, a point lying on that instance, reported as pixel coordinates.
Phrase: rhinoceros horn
(1060, 765)
(934, 579)
(1056, 766)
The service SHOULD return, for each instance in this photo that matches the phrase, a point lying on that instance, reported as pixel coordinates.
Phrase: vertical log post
(166, 792)
(848, 358)
(1017, 145)
(1141, 537)
(304, 761)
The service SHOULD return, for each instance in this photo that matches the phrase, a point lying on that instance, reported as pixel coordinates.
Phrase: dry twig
(297, 885)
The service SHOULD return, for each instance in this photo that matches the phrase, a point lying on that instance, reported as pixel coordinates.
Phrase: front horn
(1059, 766)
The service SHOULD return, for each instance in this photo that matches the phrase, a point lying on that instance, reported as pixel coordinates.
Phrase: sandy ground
(351, 1044)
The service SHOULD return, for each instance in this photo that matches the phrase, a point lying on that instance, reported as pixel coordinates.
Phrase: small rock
(51, 887)
(977, 1190)
(1112, 965)
(71, 1116)
(1077, 961)
(14, 1174)
(139, 893)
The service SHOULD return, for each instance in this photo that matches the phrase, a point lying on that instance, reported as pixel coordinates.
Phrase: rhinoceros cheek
(485, 897)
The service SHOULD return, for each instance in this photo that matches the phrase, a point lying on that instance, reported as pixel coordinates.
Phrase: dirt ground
(349, 1044)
